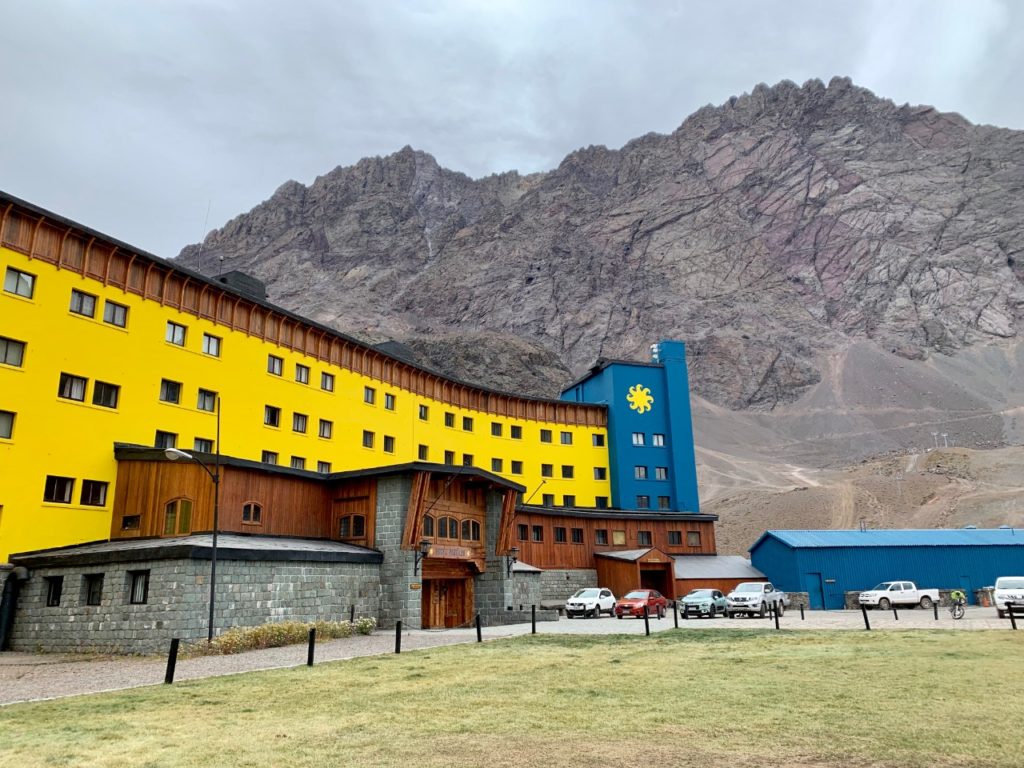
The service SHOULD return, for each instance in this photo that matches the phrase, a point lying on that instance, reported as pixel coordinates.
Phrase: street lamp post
(174, 454)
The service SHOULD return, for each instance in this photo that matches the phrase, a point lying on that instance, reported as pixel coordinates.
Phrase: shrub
(279, 633)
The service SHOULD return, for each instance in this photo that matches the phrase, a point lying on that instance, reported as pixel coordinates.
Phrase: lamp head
(424, 547)
(173, 454)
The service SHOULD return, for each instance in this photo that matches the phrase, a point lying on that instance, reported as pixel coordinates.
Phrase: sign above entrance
(451, 553)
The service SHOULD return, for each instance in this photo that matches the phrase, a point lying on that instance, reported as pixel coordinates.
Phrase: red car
(633, 604)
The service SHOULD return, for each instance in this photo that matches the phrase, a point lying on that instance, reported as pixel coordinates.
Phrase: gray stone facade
(558, 585)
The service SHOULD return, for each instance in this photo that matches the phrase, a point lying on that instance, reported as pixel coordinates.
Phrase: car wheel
(762, 612)
(884, 604)
(661, 612)
(618, 616)
(780, 609)
(596, 612)
(729, 614)
(926, 602)
(1000, 614)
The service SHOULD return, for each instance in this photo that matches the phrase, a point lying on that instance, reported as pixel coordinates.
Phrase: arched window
(447, 528)
(428, 525)
(252, 513)
(178, 517)
(470, 530)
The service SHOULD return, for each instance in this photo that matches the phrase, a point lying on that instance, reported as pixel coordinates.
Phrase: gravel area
(34, 677)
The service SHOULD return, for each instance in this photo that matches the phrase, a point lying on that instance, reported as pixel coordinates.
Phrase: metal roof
(927, 537)
(631, 555)
(715, 567)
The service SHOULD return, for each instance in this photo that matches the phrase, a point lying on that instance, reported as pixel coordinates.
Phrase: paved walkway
(32, 677)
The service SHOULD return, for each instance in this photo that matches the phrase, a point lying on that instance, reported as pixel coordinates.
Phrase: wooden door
(446, 603)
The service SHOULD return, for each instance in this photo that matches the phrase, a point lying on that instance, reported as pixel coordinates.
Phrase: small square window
(175, 333)
(323, 467)
(693, 538)
(561, 535)
(467, 424)
(170, 391)
(568, 500)
(211, 345)
(537, 533)
(275, 364)
(545, 435)
(94, 493)
(138, 587)
(424, 412)
(12, 352)
(467, 459)
(639, 473)
(269, 457)
(601, 502)
(515, 432)
(54, 588)
(643, 502)
(566, 438)
(367, 438)
(202, 445)
(600, 473)
(298, 462)
(6, 424)
(661, 473)
(618, 538)
(517, 467)
(496, 428)
(369, 395)
(497, 465)
(598, 440)
(577, 535)
(389, 401)
(299, 421)
(19, 283)
(522, 532)
(643, 538)
(389, 444)
(568, 471)
(58, 490)
(326, 429)
(165, 439)
(83, 303)
(71, 387)
(449, 419)
(638, 438)
(658, 440)
(423, 453)
(115, 314)
(548, 500)
(449, 457)
(664, 502)
(327, 381)
(601, 536)
(675, 538)
(206, 400)
(271, 416)
(547, 470)
(105, 395)
(302, 373)
(92, 586)
(131, 522)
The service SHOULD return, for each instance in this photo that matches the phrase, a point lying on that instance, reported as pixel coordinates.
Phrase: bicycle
(956, 606)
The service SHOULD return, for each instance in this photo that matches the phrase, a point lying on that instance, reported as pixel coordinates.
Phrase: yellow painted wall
(72, 439)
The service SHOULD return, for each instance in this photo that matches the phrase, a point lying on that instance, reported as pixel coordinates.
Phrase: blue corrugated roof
(928, 537)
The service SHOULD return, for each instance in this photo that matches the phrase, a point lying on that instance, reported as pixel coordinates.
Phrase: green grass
(686, 697)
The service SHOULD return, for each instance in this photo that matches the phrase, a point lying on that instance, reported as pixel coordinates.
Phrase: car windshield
(1010, 582)
(587, 593)
(749, 587)
(636, 596)
(699, 593)
(882, 587)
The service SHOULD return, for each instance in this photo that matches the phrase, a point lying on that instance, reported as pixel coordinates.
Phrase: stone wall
(558, 585)
(249, 593)
(398, 601)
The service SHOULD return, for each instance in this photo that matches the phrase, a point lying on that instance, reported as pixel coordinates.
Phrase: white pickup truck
(752, 597)
(889, 593)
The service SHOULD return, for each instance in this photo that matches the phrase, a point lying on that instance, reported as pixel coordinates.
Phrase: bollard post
(895, 613)
(312, 646)
(398, 637)
(775, 613)
(533, 619)
(1009, 611)
(801, 611)
(172, 661)
(351, 614)
(647, 621)
(675, 613)
(867, 624)
(935, 610)
(479, 633)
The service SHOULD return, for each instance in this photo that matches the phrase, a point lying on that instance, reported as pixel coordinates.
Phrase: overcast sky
(146, 120)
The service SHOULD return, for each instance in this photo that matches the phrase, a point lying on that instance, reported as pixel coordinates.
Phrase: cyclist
(957, 599)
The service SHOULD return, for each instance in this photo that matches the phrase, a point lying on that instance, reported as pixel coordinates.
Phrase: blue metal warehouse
(827, 564)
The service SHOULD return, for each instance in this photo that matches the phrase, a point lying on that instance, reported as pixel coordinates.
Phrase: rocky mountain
(846, 272)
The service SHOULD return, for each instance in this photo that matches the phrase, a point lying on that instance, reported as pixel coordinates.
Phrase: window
(601, 536)
(19, 283)
(449, 419)
(206, 400)
(561, 536)
(658, 440)
(131, 522)
(449, 457)
(58, 489)
(517, 467)
(424, 412)
(170, 391)
(211, 345)
(54, 587)
(693, 538)
(566, 438)
(302, 373)
(94, 493)
(298, 462)
(92, 586)
(299, 422)
(638, 438)
(568, 471)
(618, 538)
(326, 429)
(598, 440)
(323, 467)
(675, 538)
(515, 432)
(639, 473)
(178, 517)
(467, 459)
(447, 528)
(6, 424)
(664, 502)
(547, 470)
(428, 525)
(600, 473)
(467, 424)
(202, 445)
(369, 395)
(496, 428)
(548, 500)
(367, 438)
(423, 452)
(470, 530)
(389, 401)
(12, 352)
(269, 457)
(71, 387)
(545, 435)
(497, 465)
(577, 535)
(643, 538)
(522, 532)
(352, 527)
(271, 415)
(327, 381)
(389, 444)
(643, 502)
(275, 364)
(105, 394)
(661, 473)
(175, 333)
(165, 439)
(568, 500)
(537, 533)
(138, 587)
(601, 502)
(83, 303)
(115, 314)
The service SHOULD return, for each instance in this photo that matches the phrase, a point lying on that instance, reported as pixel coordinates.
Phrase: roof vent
(970, 527)
(1004, 527)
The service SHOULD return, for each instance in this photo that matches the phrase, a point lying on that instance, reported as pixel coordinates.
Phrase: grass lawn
(705, 698)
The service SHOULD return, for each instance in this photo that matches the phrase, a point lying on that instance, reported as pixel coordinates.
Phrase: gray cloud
(133, 118)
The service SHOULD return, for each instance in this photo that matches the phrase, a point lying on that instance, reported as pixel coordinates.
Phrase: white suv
(1009, 589)
(591, 601)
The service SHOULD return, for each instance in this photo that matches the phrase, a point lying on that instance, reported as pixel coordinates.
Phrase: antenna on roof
(863, 527)
(534, 492)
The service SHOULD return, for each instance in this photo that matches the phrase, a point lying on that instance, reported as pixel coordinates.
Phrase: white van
(1009, 589)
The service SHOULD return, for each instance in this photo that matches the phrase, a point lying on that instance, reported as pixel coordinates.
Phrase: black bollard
(895, 613)
(352, 614)
(935, 610)
(533, 619)
(479, 633)
(775, 613)
(172, 662)
(867, 624)
(1009, 611)
(675, 614)
(312, 646)
(398, 637)
(801, 611)
(647, 621)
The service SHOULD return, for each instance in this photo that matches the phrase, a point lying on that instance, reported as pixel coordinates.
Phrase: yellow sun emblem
(640, 398)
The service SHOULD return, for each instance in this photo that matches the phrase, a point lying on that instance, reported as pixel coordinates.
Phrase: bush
(279, 633)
